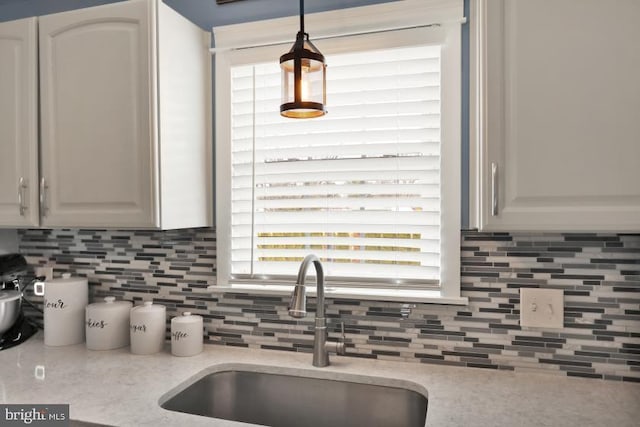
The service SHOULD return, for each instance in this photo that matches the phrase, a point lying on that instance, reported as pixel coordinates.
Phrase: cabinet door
(96, 106)
(560, 115)
(18, 123)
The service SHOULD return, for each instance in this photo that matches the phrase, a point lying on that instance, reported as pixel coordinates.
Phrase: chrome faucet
(298, 309)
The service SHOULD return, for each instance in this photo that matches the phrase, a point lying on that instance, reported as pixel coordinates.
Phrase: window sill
(396, 295)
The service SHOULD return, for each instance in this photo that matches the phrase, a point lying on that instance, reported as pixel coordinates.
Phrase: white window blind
(359, 187)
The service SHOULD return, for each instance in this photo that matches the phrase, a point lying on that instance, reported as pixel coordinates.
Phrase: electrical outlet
(541, 308)
(45, 271)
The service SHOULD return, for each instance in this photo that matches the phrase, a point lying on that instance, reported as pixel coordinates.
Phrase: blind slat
(311, 195)
(421, 242)
(337, 269)
(245, 229)
(339, 165)
(371, 217)
(244, 114)
(379, 177)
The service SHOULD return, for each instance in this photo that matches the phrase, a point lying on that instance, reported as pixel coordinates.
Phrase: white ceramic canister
(65, 300)
(186, 335)
(107, 324)
(147, 325)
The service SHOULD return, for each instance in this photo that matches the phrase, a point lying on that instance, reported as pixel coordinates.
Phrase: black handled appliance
(14, 276)
(13, 267)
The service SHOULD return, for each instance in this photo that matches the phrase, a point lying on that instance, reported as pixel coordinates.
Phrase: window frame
(387, 25)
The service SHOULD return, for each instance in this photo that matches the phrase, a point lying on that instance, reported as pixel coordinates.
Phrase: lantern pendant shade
(304, 83)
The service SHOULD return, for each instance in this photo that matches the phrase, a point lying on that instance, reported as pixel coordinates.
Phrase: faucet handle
(336, 347)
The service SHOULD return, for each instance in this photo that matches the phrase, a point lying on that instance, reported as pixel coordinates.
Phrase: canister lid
(187, 317)
(110, 303)
(11, 295)
(67, 279)
(149, 307)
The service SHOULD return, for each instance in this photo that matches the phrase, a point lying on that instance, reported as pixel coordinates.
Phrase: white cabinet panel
(97, 147)
(125, 96)
(18, 124)
(559, 115)
(185, 120)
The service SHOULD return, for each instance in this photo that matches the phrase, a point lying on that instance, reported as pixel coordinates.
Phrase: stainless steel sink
(277, 400)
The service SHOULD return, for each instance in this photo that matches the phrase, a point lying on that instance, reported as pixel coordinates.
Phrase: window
(372, 188)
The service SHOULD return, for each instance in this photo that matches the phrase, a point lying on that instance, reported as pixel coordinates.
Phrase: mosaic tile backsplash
(599, 274)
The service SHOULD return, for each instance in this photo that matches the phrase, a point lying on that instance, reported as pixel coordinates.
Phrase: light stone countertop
(121, 389)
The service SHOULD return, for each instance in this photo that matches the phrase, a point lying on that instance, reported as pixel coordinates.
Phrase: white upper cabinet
(556, 97)
(96, 105)
(125, 133)
(19, 123)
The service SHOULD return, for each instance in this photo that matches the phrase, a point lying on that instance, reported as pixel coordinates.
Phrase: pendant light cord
(302, 16)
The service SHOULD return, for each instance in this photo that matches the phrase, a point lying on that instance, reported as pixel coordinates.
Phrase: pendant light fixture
(304, 83)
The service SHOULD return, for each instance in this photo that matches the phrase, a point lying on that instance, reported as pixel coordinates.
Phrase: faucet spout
(298, 305)
(297, 308)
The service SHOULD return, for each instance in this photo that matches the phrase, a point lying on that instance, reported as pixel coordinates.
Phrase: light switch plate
(541, 308)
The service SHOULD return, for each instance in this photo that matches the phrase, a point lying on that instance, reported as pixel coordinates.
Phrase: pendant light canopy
(304, 83)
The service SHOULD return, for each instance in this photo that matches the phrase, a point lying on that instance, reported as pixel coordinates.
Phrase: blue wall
(16, 9)
(205, 13)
